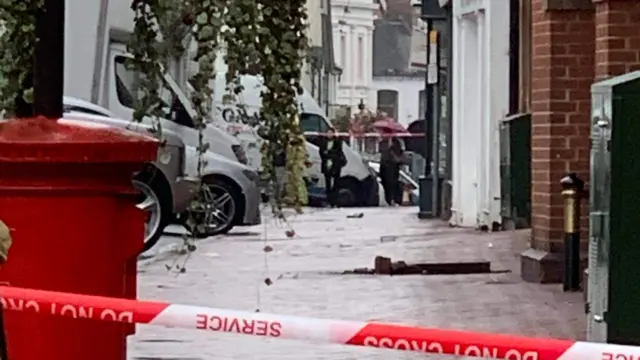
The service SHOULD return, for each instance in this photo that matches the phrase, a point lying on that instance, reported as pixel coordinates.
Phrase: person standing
(391, 158)
(333, 160)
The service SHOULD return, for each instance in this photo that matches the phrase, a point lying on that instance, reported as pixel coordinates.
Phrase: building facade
(352, 22)
(480, 101)
(567, 45)
(400, 96)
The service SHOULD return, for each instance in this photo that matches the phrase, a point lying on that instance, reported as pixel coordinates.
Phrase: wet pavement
(228, 272)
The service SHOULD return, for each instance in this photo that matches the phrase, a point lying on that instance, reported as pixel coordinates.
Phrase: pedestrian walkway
(229, 272)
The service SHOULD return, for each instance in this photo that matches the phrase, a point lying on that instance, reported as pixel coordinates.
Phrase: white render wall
(408, 95)
(480, 101)
(356, 80)
(314, 34)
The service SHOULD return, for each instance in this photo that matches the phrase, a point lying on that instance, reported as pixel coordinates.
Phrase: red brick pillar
(563, 48)
(617, 37)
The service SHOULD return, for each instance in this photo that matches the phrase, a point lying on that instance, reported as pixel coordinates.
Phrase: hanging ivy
(205, 32)
(148, 59)
(239, 36)
(17, 47)
(281, 45)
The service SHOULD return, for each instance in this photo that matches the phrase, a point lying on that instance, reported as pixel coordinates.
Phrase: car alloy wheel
(221, 208)
(150, 204)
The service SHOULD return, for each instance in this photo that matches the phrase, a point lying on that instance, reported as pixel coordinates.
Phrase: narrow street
(228, 272)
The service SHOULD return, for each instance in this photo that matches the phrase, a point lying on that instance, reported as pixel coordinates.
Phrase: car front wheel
(153, 202)
(214, 211)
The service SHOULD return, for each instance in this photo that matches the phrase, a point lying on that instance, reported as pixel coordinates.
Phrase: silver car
(165, 188)
(232, 188)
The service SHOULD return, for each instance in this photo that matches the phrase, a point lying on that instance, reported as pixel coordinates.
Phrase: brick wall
(562, 72)
(574, 43)
(563, 69)
(617, 37)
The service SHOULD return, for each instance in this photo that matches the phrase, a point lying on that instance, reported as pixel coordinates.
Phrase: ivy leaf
(202, 19)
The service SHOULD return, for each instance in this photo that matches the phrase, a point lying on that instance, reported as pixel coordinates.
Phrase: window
(313, 123)
(360, 65)
(343, 53)
(127, 88)
(388, 102)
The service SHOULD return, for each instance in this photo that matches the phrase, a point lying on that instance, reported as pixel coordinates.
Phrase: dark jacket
(333, 158)
(391, 154)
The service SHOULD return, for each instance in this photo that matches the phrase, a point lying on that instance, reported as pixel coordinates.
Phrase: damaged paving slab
(229, 272)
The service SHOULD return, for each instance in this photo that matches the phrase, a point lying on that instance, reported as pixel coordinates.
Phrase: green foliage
(342, 122)
(362, 121)
(281, 45)
(206, 31)
(260, 37)
(17, 47)
(149, 60)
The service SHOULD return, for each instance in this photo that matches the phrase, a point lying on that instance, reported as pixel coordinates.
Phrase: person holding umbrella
(391, 158)
(332, 161)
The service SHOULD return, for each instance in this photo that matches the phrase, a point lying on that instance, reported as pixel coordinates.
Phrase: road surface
(228, 272)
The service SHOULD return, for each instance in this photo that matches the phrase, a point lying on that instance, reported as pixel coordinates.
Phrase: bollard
(572, 191)
(66, 194)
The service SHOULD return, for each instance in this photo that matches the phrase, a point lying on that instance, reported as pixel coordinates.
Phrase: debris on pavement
(388, 238)
(355, 216)
(310, 282)
(384, 266)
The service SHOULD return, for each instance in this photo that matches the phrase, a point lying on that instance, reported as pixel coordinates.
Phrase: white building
(352, 22)
(480, 101)
(399, 69)
(404, 93)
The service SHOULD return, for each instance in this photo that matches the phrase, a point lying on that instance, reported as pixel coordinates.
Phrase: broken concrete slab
(385, 266)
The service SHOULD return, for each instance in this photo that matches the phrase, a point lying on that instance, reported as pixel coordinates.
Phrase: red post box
(66, 193)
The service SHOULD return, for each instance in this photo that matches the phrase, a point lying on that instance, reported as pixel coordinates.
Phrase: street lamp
(431, 11)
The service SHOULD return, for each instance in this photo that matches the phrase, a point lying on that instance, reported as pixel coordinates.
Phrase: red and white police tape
(398, 337)
(365, 135)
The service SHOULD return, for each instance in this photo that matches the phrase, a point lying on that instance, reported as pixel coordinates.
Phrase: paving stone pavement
(228, 272)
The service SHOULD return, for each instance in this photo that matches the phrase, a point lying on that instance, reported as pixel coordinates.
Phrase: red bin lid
(41, 140)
